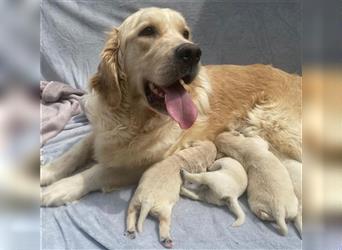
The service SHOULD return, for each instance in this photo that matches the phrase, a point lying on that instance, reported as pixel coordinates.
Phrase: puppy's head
(237, 146)
(153, 54)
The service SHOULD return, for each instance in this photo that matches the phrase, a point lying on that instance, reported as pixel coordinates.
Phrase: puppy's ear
(106, 82)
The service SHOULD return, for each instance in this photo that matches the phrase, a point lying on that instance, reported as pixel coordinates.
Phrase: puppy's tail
(145, 209)
(234, 206)
(280, 220)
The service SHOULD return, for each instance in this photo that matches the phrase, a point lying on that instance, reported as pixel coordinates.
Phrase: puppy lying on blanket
(270, 191)
(159, 188)
(222, 186)
(295, 170)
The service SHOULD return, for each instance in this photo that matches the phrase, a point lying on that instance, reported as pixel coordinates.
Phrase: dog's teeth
(155, 90)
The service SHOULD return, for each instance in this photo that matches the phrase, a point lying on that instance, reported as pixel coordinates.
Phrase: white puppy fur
(270, 191)
(295, 170)
(223, 185)
(159, 188)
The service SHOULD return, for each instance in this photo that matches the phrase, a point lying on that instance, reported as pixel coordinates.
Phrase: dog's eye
(186, 34)
(148, 31)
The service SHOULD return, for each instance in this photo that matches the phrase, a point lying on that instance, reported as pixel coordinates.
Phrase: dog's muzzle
(187, 56)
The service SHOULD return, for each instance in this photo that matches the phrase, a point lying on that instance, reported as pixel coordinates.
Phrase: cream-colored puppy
(223, 185)
(270, 191)
(295, 170)
(159, 188)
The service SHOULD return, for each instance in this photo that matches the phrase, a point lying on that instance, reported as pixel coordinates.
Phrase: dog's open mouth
(172, 100)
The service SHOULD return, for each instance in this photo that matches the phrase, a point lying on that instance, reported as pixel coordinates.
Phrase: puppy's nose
(188, 53)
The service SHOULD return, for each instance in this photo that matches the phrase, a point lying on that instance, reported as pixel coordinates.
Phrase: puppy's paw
(130, 234)
(167, 243)
(62, 192)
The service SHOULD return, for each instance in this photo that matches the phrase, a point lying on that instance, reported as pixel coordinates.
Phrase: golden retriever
(151, 96)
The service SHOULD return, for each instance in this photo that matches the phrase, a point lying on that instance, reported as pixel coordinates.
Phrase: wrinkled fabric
(59, 102)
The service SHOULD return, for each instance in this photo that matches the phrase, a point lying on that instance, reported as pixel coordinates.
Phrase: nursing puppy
(159, 188)
(223, 185)
(270, 191)
(295, 170)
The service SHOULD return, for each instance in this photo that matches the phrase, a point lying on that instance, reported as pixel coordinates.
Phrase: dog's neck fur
(134, 117)
(128, 116)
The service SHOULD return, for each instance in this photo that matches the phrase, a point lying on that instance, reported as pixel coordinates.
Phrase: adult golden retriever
(150, 96)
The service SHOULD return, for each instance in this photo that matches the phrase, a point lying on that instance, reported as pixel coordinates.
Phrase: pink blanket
(59, 102)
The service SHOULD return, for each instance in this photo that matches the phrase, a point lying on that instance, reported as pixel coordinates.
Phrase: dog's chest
(132, 149)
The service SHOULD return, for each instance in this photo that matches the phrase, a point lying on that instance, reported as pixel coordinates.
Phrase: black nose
(188, 53)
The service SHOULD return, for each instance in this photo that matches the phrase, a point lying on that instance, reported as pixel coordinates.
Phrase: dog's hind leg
(164, 216)
(298, 223)
(131, 219)
(280, 220)
(78, 156)
(194, 178)
(144, 210)
(190, 194)
(234, 206)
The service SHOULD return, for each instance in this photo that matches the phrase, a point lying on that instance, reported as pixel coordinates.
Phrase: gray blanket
(59, 102)
(236, 32)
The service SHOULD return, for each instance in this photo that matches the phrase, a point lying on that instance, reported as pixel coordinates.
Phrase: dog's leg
(190, 194)
(194, 178)
(280, 220)
(66, 164)
(144, 211)
(98, 177)
(131, 219)
(234, 206)
(298, 223)
(164, 226)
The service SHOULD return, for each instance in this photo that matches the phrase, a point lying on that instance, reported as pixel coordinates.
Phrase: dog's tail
(145, 209)
(280, 220)
(234, 206)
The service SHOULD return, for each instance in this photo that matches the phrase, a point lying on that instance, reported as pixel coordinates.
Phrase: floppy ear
(106, 82)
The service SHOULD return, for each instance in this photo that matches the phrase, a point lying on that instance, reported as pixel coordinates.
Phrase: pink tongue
(180, 106)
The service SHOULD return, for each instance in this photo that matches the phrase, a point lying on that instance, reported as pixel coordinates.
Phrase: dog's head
(151, 56)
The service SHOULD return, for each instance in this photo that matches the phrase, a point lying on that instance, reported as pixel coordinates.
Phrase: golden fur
(128, 136)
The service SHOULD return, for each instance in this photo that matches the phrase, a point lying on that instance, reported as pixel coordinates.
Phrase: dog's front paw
(62, 192)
